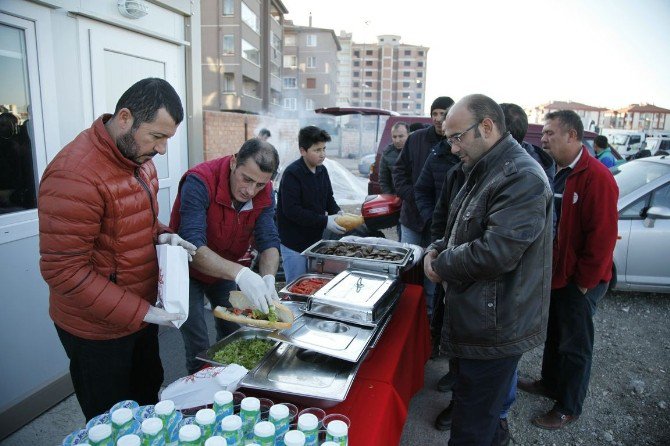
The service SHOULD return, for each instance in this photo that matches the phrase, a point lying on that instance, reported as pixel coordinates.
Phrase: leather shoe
(446, 382)
(535, 387)
(443, 420)
(553, 420)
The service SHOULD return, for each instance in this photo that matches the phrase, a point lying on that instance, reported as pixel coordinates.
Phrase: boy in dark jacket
(305, 205)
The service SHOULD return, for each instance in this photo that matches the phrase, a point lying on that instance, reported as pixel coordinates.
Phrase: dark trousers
(479, 393)
(568, 350)
(106, 372)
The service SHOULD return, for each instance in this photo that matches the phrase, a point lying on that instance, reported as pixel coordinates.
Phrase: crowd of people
(509, 263)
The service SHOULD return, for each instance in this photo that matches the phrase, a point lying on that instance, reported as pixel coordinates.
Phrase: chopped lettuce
(245, 352)
(271, 316)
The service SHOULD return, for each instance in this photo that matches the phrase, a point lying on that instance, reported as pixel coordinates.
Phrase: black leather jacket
(498, 269)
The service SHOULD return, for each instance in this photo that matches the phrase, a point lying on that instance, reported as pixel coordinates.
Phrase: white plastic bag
(173, 280)
(198, 389)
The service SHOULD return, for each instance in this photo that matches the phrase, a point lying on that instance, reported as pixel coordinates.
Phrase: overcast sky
(605, 53)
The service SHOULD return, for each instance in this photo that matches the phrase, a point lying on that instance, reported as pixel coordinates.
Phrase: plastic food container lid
(264, 429)
(294, 438)
(216, 441)
(122, 416)
(223, 397)
(250, 403)
(337, 428)
(231, 423)
(205, 416)
(189, 432)
(99, 432)
(165, 407)
(151, 426)
(129, 440)
(308, 421)
(279, 412)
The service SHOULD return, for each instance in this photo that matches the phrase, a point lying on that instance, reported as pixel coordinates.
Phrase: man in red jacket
(98, 226)
(585, 198)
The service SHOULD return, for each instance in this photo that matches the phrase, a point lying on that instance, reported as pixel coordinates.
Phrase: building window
(290, 82)
(228, 83)
(357, 63)
(276, 96)
(368, 94)
(357, 73)
(419, 74)
(405, 84)
(405, 73)
(290, 103)
(275, 70)
(310, 83)
(405, 106)
(289, 39)
(408, 52)
(228, 7)
(418, 106)
(356, 94)
(276, 49)
(419, 95)
(311, 39)
(356, 104)
(17, 174)
(419, 64)
(419, 84)
(407, 63)
(368, 63)
(311, 62)
(368, 73)
(291, 61)
(309, 104)
(368, 104)
(420, 53)
(250, 52)
(228, 45)
(250, 88)
(249, 17)
(368, 52)
(357, 53)
(356, 84)
(406, 95)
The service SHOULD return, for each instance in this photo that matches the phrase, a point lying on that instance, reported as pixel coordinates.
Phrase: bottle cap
(99, 432)
(231, 423)
(165, 407)
(122, 416)
(189, 432)
(330, 443)
(308, 422)
(337, 428)
(129, 440)
(278, 412)
(151, 426)
(216, 441)
(223, 397)
(264, 429)
(205, 416)
(294, 438)
(250, 403)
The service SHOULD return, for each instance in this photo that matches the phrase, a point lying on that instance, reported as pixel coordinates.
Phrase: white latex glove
(332, 226)
(254, 287)
(269, 280)
(340, 212)
(174, 240)
(159, 316)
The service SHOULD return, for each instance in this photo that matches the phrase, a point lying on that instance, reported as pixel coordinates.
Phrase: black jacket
(498, 264)
(407, 170)
(304, 200)
(429, 185)
(386, 163)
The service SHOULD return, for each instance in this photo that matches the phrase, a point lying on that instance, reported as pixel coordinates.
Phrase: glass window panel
(249, 17)
(250, 52)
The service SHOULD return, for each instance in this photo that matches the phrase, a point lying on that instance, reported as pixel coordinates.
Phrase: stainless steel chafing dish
(353, 258)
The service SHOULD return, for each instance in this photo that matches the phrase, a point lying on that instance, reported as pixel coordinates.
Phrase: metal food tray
(332, 338)
(284, 293)
(304, 377)
(359, 297)
(242, 333)
(332, 264)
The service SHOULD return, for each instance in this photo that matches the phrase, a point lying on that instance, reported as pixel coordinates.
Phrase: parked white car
(642, 249)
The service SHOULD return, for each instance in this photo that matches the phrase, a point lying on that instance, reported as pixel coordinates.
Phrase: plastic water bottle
(337, 431)
(231, 430)
(189, 435)
(122, 422)
(279, 416)
(129, 440)
(153, 432)
(294, 438)
(206, 419)
(264, 433)
(250, 412)
(216, 440)
(223, 405)
(100, 435)
(308, 423)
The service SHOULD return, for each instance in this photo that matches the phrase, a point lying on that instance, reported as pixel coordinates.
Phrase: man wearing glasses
(495, 263)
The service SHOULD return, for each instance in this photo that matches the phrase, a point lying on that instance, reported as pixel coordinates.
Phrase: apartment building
(646, 117)
(592, 117)
(242, 55)
(389, 74)
(310, 67)
(344, 70)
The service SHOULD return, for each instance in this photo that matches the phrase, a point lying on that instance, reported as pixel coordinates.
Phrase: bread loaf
(349, 221)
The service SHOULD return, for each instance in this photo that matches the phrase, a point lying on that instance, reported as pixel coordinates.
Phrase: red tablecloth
(390, 375)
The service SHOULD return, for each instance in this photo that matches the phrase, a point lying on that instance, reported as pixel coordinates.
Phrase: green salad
(245, 352)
